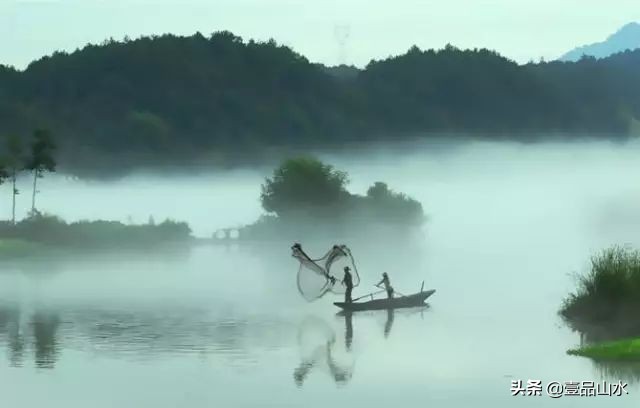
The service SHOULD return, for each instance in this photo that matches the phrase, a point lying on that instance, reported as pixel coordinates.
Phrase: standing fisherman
(347, 281)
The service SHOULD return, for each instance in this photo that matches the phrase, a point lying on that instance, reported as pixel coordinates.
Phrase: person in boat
(347, 281)
(387, 285)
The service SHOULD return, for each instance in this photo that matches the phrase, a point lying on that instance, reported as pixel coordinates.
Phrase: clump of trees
(305, 187)
(37, 157)
(305, 194)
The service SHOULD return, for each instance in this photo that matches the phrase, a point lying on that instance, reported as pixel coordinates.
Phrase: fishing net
(317, 277)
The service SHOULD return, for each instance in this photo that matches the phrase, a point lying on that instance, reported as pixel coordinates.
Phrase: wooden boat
(415, 300)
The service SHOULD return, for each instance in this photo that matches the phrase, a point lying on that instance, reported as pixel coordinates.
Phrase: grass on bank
(627, 350)
(609, 294)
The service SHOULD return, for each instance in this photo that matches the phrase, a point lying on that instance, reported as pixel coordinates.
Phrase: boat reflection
(348, 319)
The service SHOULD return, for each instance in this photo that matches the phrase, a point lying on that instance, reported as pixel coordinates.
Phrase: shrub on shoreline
(609, 294)
(621, 350)
(52, 231)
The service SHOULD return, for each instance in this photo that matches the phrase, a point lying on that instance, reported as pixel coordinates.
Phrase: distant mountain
(627, 38)
(191, 101)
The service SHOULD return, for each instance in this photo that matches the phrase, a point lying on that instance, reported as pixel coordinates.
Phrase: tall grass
(609, 294)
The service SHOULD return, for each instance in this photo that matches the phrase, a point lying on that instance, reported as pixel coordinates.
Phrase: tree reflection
(17, 332)
(610, 370)
(616, 371)
(10, 332)
(45, 326)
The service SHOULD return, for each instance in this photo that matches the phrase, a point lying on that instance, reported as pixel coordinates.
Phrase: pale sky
(518, 29)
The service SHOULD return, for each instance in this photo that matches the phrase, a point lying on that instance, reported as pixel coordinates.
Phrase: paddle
(394, 291)
(370, 294)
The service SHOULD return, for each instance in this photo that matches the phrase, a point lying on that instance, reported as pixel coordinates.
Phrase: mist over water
(225, 326)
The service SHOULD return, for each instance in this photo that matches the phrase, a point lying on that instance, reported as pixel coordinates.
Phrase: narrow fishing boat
(415, 300)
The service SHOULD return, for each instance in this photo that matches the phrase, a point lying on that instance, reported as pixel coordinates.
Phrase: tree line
(179, 100)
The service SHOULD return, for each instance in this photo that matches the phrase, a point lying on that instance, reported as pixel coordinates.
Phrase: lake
(224, 325)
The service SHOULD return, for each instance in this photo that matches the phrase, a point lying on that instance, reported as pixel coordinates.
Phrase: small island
(308, 198)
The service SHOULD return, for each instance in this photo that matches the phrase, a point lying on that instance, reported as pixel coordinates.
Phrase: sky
(521, 30)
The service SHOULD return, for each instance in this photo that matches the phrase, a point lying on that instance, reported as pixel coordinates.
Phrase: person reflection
(340, 375)
(348, 332)
(389, 324)
(324, 352)
(300, 373)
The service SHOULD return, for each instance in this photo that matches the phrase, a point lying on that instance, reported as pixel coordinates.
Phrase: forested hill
(176, 100)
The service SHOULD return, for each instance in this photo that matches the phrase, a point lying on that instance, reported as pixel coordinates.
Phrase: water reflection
(610, 370)
(10, 329)
(319, 348)
(348, 319)
(45, 326)
(389, 324)
(348, 331)
(317, 341)
(18, 331)
(140, 334)
(616, 371)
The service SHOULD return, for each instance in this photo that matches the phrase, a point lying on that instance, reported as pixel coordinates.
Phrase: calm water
(224, 326)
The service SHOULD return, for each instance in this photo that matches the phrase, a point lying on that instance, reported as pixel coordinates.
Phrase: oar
(370, 294)
(394, 291)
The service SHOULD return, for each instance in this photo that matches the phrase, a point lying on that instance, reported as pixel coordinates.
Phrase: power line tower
(342, 34)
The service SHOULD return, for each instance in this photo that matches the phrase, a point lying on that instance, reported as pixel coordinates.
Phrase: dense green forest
(172, 100)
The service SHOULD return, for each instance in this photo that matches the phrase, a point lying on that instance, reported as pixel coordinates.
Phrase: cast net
(317, 277)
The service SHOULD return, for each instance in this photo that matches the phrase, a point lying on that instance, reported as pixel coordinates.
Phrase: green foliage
(42, 149)
(621, 350)
(17, 248)
(14, 152)
(170, 99)
(4, 172)
(390, 207)
(53, 231)
(306, 197)
(610, 292)
(305, 185)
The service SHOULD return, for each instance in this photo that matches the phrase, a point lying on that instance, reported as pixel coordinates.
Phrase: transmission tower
(342, 33)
